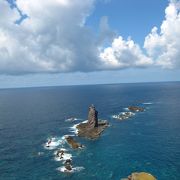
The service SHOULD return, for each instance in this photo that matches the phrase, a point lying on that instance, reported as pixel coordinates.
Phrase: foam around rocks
(65, 157)
(53, 143)
(74, 169)
(123, 115)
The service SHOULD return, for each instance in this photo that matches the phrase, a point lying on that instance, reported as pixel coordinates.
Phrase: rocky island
(93, 127)
(73, 143)
(136, 109)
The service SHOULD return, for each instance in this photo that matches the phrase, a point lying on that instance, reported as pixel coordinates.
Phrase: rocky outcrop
(93, 128)
(135, 109)
(140, 176)
(68, 165)
(92, 117)
(91, 133)
(73, 143)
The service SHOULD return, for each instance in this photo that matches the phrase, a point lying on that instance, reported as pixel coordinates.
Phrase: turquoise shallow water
(149, 141)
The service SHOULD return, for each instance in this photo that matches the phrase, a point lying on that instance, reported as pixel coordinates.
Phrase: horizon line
(95, 84)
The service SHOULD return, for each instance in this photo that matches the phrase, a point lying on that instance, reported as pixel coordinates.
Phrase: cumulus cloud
(164, 47)
(54, 38)
(124, 54)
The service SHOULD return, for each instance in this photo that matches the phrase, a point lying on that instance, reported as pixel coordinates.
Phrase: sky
(75, 42)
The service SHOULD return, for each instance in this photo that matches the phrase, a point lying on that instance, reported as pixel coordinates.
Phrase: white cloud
(164, 47)
(106, 34)
(123, 54)
(54, 38)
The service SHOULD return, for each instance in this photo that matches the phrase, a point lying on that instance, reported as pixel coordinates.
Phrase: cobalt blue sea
(149, 141)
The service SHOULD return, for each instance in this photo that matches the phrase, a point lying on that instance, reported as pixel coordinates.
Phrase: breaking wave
(75, 169)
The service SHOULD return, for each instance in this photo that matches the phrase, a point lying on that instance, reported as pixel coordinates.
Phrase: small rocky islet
(73, 143)
(136, 109)
(130, 113)
(94, 127)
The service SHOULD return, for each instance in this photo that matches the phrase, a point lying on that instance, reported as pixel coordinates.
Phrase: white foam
(132, 114)
(115, 116)
(75, 169)
(126, 109)
(55, 142)
(72, 119)
(123, 115)
(74, 129)
(127, 113)
(85, 121)
(147, 103)
(65, 157)
(61, 149)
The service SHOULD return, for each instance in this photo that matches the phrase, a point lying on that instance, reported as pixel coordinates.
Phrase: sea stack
(92, 117)
(93, 127)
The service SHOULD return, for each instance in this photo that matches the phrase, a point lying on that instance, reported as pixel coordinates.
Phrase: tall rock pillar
(92, 117)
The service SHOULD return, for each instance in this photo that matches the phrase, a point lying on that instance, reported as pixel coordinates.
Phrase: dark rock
(91, 133)
(92, 117)
(68, 167)
(60, 153)
(93, 128)
(136, 109)
(68, 161)
(73, 143)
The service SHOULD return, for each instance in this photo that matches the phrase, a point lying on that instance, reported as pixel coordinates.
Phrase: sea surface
(149, 141)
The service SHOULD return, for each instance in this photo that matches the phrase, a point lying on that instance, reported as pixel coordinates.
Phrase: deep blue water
(149, 141)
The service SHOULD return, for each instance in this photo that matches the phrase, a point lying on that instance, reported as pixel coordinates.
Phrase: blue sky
(133, 18)
(89, 42)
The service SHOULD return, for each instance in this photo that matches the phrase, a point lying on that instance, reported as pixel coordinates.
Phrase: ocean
(148, 141)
